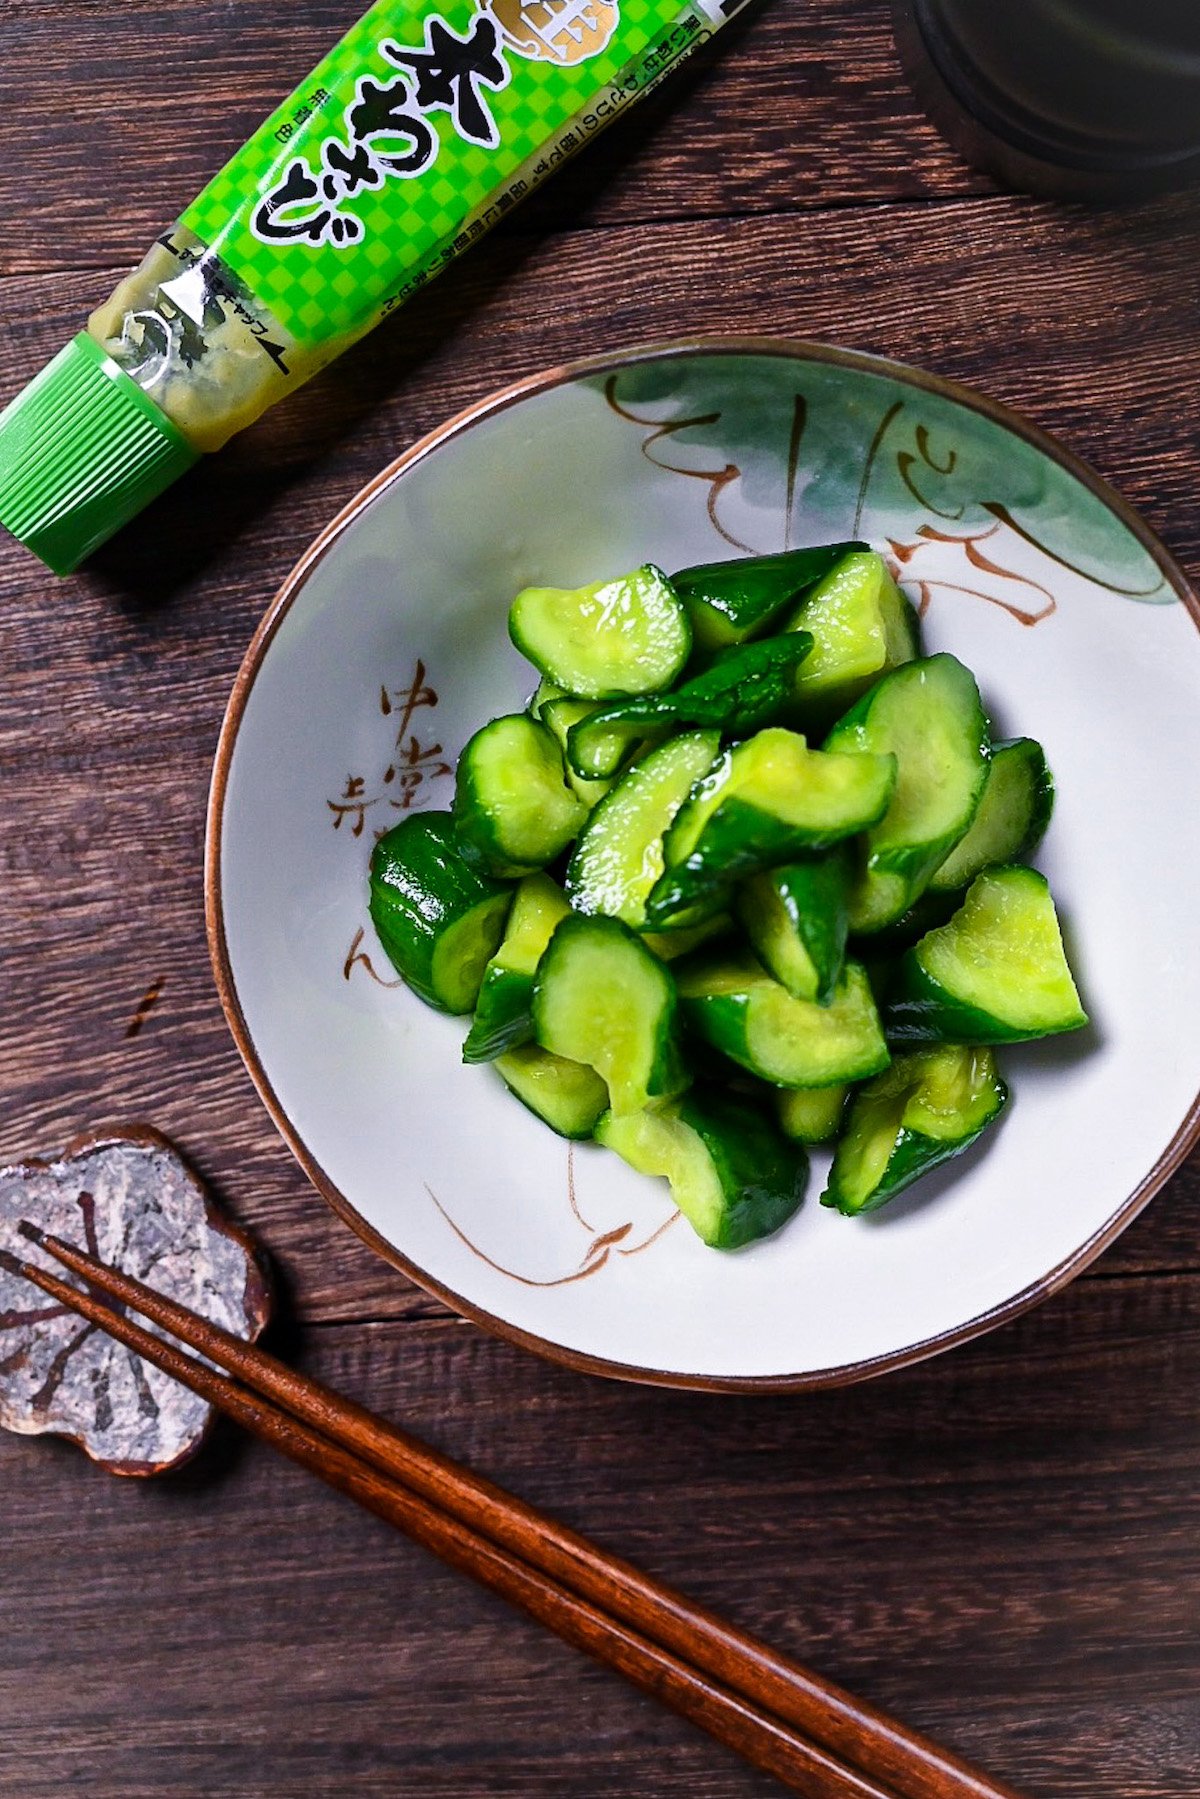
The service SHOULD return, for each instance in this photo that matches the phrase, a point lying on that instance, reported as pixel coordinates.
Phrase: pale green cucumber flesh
(602, 998)
(996, 971)
(737, 1008)
(568, 1096)
(861, 626)
(513, 808)
(927, 714)
(929, 1105)
(503, 1015)
(811, 1114)
(558, 715)
(1012, 815)
(796, 919)
(619, 854)
(626, 636)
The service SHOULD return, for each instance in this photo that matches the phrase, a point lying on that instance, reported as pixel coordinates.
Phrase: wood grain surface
(1001, 1545)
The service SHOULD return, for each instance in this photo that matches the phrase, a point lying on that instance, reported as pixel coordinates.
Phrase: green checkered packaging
(418, 131)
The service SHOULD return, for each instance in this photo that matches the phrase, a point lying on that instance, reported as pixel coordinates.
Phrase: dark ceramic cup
(1083, 99)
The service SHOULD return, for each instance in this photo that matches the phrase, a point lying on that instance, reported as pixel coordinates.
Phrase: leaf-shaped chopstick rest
(133, 1202)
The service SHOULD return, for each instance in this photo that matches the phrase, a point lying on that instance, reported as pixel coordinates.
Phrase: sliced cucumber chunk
(766, 801)
(931, 1104)
(728, 602)
(617, 637)
(438, 919)
(559, 715)
(928, 714)
(504, 1008)
(861, 626)
(512, 805)
(746, 687)
(734, 1005)
(796, 918)
(567, 1096)
(619, 855)
(811, 1114)
(669, 946)
(997, 973)
(732, 1174)
(543, 695)
(1010, 820)
(602, 998)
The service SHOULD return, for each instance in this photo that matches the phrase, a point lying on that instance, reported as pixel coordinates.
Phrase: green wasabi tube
(421, 129)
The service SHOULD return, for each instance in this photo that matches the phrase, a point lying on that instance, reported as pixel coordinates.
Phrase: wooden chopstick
(698, 1663)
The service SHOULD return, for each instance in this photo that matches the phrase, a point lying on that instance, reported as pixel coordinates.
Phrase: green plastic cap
(82, 450)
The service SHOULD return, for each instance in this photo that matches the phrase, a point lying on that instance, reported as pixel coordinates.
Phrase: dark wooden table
(1002, 1545)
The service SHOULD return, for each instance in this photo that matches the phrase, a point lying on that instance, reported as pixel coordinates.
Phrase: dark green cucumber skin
(914, 1155)
(920, 1010)
(739, 840)
(1039, 818)
(729, 602)
(748, 686)
(925, 914)
(814, 896)
(762, 1173)
(503, 1015)
(1043, 807)
(420, 885)
(668, 1075)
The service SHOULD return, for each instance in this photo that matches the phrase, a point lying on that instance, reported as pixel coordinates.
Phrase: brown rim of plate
(795, 349)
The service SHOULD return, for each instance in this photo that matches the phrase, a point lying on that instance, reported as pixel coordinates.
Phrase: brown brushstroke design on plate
(596, 1255)
(660, 431)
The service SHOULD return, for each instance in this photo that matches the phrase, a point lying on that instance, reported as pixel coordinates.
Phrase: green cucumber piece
(796, 918)
(1010, 820)
(512, 806)
(559, 713)
(734, 1005)
(611, 638)
(438, 919)
(746, 687)
(504, 1008)
(733, 1175)
(997, 973)
(567, 1096)
(669, 946)
(728, 602)
(601, 997)
(931, 1104)
(619, 855)
(811, 1114)
(767, 801)
(542, 696)
(861, 626)
(928, 714)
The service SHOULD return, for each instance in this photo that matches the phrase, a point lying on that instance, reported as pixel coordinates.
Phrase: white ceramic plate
(387, 648)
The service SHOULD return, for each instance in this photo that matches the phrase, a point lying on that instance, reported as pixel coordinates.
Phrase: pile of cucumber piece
(686, 932)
